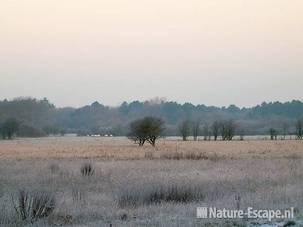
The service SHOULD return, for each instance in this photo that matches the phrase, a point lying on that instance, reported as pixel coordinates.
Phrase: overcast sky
(213, 52)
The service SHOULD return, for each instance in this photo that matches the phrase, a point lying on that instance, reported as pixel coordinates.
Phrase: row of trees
(149, 129)
(298, 131)
(225, 129)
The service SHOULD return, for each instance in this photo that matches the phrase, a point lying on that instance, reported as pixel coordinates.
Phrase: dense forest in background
(41, 118)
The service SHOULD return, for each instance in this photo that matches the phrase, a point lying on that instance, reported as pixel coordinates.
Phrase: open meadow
(95, 181)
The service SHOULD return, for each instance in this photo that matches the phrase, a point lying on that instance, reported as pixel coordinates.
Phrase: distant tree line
(12, 127)
(41, 118)
(298, 131)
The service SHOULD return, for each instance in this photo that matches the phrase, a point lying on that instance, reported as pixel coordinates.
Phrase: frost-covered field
(143, 186)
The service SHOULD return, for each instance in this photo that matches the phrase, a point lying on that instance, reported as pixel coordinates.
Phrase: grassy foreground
(104, 181)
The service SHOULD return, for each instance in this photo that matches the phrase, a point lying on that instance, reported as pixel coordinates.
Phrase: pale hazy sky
(215, 52)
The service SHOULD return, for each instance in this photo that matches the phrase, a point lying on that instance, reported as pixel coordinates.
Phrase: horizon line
(154, 101)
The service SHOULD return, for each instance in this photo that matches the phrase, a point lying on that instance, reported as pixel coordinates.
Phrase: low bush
(158, 193)
(184, 155)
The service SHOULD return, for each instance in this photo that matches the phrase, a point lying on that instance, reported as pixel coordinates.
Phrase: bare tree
(299, 129)
(285, 128)
(196, 129)
(184, 129)
(147, 129)
(206, 132)
(273, 134)
(228, 129)
(215, 129)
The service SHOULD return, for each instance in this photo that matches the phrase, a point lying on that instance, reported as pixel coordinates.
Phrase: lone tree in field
(147, 129)
(184, 129)
(9, 128)
(215, 129)
(299, 129)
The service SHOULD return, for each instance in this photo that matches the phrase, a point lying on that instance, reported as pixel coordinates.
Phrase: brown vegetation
(147, 186)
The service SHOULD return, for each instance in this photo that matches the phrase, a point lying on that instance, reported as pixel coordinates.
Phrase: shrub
(184, 155)
(158, 193)
(33, 205)
(87, 169)
(172, 155)
(195, 156)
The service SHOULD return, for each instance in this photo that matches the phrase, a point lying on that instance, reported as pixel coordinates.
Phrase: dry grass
(262, 174)
(121, 148)
(31, 206)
